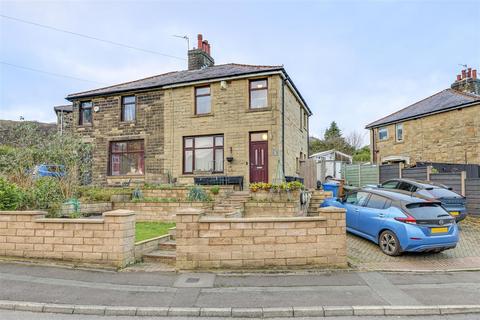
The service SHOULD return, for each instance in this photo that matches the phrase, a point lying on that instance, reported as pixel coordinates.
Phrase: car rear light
(409, 219)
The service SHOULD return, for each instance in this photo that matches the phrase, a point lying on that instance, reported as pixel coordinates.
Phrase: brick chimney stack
(200, 57)
(467, 81)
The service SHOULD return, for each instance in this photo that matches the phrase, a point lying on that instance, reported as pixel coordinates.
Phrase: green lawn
(148, 230)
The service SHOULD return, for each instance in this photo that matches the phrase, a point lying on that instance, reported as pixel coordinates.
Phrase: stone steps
(172, 232)
(167, 245)
(162, 256)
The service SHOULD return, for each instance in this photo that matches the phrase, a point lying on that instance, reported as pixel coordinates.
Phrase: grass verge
(148, 230)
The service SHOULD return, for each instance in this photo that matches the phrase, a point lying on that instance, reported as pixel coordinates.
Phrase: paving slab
(29, 306)
(368, 310)
(59, 308)
(89, 310)
(279, 312)
(152, 311)
(333, 311)
(120, 311)
(183, 312)
(308, 312)
(411, 310)
(247, 312)
(216, 312)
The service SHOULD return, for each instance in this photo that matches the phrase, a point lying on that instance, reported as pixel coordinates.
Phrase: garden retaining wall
(158, 211)
(88, 208)
(181, 193)
(108, 240)
(205, 242)
(272, 209)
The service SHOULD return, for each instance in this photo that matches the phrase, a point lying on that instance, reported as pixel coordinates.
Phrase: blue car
(48, 170)
(398, 222)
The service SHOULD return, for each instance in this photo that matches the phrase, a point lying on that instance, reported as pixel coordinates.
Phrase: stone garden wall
(88, 208)
(205, 242)
(272, 209)
(108, 240)
(158, 211)
(181, 193)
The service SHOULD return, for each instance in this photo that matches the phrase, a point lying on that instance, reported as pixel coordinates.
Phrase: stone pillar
(121, 229)
(336, 230)
(187, 237)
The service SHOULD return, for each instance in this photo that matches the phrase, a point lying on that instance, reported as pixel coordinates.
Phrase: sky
(353, 61)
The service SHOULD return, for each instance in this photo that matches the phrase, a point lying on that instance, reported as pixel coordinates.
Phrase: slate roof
(64, 108)
(442, 101)
(178, 77)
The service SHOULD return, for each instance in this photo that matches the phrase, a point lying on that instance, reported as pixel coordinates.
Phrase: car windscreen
(426, 210)
(442, 193)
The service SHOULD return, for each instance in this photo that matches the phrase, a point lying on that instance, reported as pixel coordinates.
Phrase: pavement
(227, 294)
(19, 315)
(365, 255)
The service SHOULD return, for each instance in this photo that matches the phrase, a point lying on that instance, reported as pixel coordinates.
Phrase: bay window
(203, 153)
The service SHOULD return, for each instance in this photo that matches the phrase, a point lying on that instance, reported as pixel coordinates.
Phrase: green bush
(197, 193)
(46, 194)
(100, 194)
(11, 196)
(215, 190)
(158, 186)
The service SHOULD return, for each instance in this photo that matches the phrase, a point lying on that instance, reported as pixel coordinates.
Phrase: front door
(258, 157)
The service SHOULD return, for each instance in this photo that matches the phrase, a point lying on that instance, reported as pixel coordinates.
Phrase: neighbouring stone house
(444, 127)
(239, 120)
(64, 117)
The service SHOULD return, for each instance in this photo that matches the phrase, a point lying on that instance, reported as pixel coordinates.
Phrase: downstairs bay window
(203, 153)
(126, 158)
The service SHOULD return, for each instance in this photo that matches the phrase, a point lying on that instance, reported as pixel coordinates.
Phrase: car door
(353, 204)
(372, 215)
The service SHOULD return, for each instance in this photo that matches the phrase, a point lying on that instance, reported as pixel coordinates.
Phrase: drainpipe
(283, 125)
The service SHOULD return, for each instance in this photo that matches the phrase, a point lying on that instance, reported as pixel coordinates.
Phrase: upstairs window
(203, 100)
(399, 132)
(305, 120)
(258, 94)
(85, 116)
(383, 133)
(128, 108)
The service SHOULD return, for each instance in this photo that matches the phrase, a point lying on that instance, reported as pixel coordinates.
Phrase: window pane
(219, 160)
(390, 185)
(218, 141)
(86, 116)
(203, 142)
(86, 104)
(135, 146)
(129, 99)
(131, 164)
(258, 84)
(203, 104)
(188, 142)
(258, 99)
(259, 136)
(188, 161)
(119, 146)
(129, 112)
(376, 202)
(204, 159)
(204, 90)
(382, 134)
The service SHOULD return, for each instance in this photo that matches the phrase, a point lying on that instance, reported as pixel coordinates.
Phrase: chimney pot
(459, 77)
(469, 73)
(474, 73)
(464, 74)
(200, 40)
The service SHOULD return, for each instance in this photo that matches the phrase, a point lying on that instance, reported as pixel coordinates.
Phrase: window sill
(202, 115)
(206, 173)
(259, 109)
(399, 142)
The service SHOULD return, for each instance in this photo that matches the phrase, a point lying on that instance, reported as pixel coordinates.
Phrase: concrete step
(169, 245)
(163, 256)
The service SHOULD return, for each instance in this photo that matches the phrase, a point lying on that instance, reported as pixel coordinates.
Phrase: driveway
(364, 255)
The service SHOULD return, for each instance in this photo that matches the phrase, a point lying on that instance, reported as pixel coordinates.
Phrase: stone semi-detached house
(444, 127)
(238, 120)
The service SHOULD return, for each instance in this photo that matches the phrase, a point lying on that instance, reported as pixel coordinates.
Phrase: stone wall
(108, 240)
(158, 211)
(205, 242)
(272, 209)
(88, 208)
(181, 193)
(450, 137)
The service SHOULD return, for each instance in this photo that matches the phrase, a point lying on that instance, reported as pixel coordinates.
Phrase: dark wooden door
(258, 161)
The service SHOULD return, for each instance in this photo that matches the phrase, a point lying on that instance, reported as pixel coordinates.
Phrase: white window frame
(380, 130)
(398, 126)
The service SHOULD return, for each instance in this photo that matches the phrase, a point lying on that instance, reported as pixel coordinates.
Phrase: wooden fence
(308, 171)
(389, 171)
(472, 191)
(359, 175)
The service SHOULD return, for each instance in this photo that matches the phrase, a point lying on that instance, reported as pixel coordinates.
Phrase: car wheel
(389, 243)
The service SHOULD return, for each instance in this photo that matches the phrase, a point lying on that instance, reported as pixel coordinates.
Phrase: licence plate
(454, 213)
(439, 230)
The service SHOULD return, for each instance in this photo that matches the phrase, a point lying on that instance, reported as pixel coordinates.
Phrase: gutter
(422, 115)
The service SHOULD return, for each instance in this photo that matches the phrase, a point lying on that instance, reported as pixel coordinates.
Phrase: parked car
(48, 170)
(452, 201)
(397, 222)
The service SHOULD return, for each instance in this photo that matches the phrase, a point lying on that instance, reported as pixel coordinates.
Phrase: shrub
(158, 186)
(100, 194)
(215, 190)
(11, 196)
(47, 195)
(197, 193)
(284, 186)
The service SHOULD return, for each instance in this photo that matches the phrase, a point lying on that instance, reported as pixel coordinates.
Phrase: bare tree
(356, 139)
